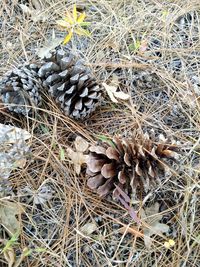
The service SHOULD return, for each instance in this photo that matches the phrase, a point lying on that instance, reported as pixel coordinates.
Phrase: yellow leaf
(68, 37)
(81, 31)
(69, 18)
(63, 23)
(81, 18)
(171, 242)
(167, 245)
(75, 13)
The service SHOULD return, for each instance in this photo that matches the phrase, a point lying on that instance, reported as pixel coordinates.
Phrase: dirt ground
(151, 50)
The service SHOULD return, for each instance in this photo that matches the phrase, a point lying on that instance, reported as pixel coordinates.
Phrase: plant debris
(8, 212)
(36, 14)
(78, 157)
(88, 228)
(114, 93)
(40, 196)
(151, 217)
(13, 150)
(50, 45)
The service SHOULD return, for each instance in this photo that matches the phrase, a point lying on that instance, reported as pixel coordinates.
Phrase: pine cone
(143, 80)
(134, 165)
(70, 83)
(19, 89)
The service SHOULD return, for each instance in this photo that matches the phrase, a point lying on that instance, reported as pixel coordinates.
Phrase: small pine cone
(70, 82)
(143, 80)
(19, 89)
(133, 165)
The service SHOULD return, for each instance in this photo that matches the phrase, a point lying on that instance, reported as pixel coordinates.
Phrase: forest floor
(150, 50)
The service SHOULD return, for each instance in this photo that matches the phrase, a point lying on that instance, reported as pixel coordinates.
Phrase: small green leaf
(11, 242)
(105, 139)
(85, 24)
(27, 252)
(39, 250)
(137, 44)
(134, 47)
(44, 129)
(54, 145)
(62, 154)
(113, 106)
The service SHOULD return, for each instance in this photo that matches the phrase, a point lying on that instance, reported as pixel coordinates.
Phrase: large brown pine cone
(19, 89)
(133, 165)
(70, 82)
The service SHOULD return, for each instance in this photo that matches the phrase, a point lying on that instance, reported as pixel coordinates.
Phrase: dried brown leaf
(77, 157)
(10, 256)
(151, 217)
(114, 94)
(34, 13)
(110, 91)
(88, 228)
(49, 45)
(13, 149)
(8, 212)
(81, 144)
(121, 95)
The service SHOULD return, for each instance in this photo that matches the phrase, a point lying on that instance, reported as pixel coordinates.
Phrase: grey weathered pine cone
(143, 80)
(20, 89)
(136, 166)
(71, 83)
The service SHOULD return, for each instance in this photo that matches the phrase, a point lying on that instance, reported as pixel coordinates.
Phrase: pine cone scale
(84, 92)
(106, 187)
(95, 164)
(122, 177)
(112, 153)
(96, 181)
(108, 170)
